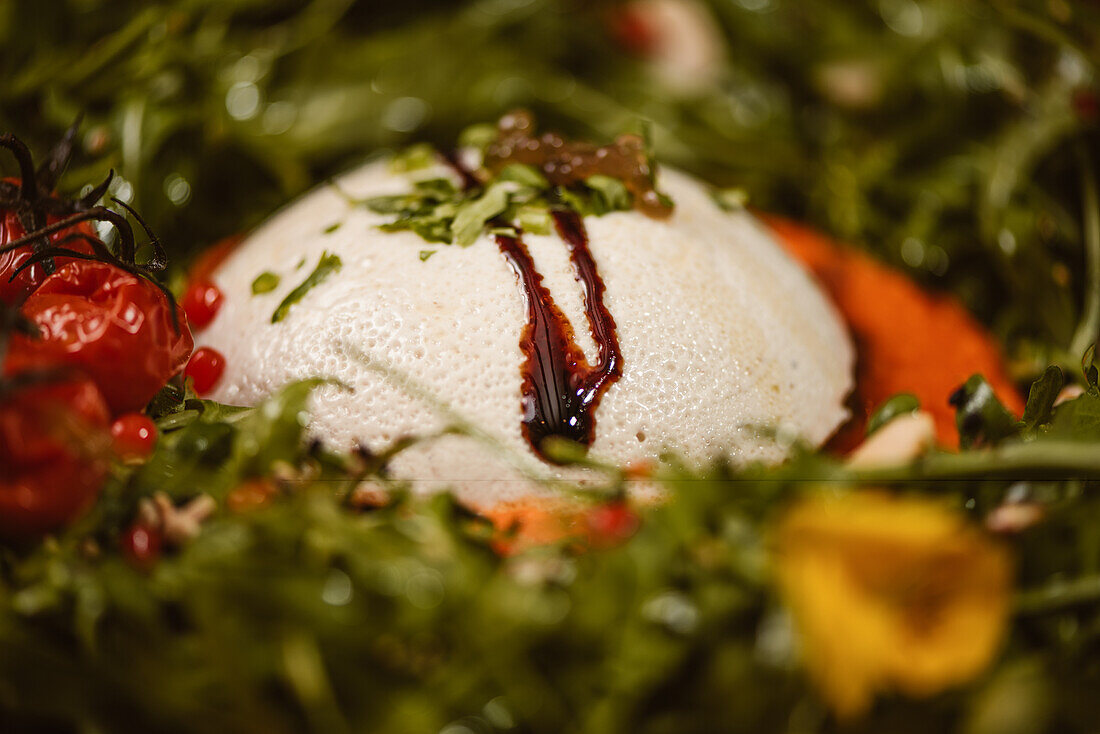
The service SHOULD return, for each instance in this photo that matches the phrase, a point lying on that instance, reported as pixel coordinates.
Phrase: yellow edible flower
(890, 594)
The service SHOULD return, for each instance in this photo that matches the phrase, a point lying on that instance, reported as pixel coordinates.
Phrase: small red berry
(634, 28)
(134, 436)
(141, 545)
(205, 369)
(1086, 103)
(201, 302)
(611, 524)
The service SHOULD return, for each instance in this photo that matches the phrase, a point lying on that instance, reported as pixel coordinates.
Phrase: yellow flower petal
(890, 594)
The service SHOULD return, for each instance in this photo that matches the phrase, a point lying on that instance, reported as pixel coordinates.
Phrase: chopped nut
(898, 442)
(369, 494)
(176, 524)
(287, 474)
(1014, 517)
(147, 513)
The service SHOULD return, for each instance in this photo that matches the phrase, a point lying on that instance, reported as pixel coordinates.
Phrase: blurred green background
(950, 137)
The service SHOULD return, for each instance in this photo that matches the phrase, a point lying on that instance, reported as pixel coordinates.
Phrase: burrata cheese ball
(725, 343)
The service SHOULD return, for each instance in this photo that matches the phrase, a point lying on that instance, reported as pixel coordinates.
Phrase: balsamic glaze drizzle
(560, 389)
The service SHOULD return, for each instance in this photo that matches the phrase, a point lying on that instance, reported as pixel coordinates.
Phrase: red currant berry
(141, 545)
(201, 302)
(205, 369)
(134, 436)
(611, 524)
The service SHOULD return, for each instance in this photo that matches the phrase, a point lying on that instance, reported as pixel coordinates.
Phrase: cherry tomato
(134, 436)
(610, 524)
(114, 326)
(54, 451)
(14, 291)
(141, 545)
(205, 369)
(201, 302)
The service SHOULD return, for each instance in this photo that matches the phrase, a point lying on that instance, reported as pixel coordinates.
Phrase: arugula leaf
(326, 266)
(981, 418)
(213, 447)
(1078, 419)
(1040, 398)
(894, 406)
(1088, 365)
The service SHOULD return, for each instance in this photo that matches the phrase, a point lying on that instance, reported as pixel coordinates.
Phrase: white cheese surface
(721, 335)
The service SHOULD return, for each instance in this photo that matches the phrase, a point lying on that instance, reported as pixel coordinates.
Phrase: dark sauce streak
(609, 367)
(560, 389)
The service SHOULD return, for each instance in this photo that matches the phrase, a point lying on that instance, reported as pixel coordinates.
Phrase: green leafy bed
(964, 158)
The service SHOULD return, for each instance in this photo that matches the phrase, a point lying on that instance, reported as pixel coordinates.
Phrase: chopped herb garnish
(425, 254)
(414, 158)
(474, 214)
(533, 218)
(730, 200)
(524, 175)
(427, 210)
(265, 282)
(608, 194)
(477, 136)
(326, 266)
(332, 227)
(519, 193)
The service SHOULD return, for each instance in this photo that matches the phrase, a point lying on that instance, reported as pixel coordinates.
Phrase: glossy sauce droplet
(205, 369)
(201, 302)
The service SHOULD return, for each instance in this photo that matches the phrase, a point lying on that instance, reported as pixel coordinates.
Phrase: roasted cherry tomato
(205, 369)
(54, 452)
(114, 326)
(134, 436)
(14, 291)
